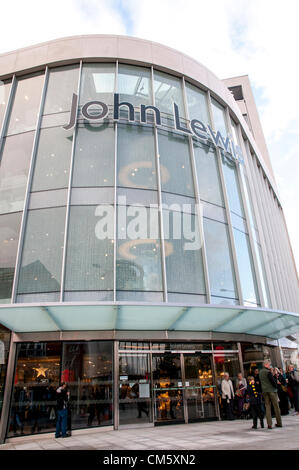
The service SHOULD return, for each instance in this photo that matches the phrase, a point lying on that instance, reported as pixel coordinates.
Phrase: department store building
(143, 246)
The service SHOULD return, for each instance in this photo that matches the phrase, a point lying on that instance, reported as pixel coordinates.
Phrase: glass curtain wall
(240, 232)
(14, 166)
(106, 153)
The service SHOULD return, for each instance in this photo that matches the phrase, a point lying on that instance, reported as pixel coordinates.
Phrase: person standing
(269, 390)
(293, 383)
(282, 392)
(227, 391)
(255, 400)
(62, 397)
(257, 380)
(241, 386)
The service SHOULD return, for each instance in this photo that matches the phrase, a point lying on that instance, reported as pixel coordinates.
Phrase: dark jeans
(228, 409)
(61, 423)
(257, 412)
(295, 391)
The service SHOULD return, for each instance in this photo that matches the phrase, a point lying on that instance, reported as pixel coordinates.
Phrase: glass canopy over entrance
(91, 317)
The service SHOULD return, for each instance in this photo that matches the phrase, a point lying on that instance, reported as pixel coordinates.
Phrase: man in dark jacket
(255, 399)
(62, 396)
(269, 389)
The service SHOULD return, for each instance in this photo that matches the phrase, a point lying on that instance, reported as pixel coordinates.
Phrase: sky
(259, 38)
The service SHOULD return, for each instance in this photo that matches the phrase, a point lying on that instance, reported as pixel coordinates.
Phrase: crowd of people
(269, 391)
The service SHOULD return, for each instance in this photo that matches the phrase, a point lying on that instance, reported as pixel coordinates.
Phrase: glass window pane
(53, 157)
(62, 83)
(219, 257)
(208, 178)
(42, 252)
(232, 187)
(176, 176)
(5, 86)
(37, 376)
(219, 118)
(9, 238)
(87, 368)
(138, 263)
(197, 104)
(14, 166)
(168, 90)
(246, 269)
(5, 343)
(183, 255)
(26, 104)
(134, 84)
(89, 260)
(97, 83)
(136, 166)
(94, 156)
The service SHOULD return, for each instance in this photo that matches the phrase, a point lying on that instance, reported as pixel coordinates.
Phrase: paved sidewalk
(212, 435)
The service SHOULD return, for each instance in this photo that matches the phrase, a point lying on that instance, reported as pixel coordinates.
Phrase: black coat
(254, 395)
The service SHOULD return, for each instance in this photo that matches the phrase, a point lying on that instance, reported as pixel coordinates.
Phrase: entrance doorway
(165, 387)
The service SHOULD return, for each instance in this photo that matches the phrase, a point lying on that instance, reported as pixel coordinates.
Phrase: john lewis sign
(195, 127)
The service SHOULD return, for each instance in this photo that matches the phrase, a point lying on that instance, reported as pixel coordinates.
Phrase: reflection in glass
(87, 369)
(246, 268)
(52, 161)
(168, 90)
(208, 178)
(26, 104)
(4, 344)
(138, 262)
(62, 83)
(168, 387)
(232, 187)
(176, 176)
(97, 83)
(9, 238)
(136, 157)
(219, 118)
(184, 267)
(134, 388)
(94, 156)
(5, 86)
(89, 259)
(16, 156)
(197, 104)
(219, 257)
(42, 252)
(37, 375)
(134, 84)
(200, 389)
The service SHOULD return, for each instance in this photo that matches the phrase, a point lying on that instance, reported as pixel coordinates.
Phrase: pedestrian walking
(255, 400)
(269, 390)
(293, 383)
(227, 393)
(62, 397)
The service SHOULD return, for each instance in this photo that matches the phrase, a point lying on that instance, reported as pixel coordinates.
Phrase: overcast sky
(231, 37)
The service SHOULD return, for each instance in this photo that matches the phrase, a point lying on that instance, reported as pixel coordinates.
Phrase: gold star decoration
(40, 371)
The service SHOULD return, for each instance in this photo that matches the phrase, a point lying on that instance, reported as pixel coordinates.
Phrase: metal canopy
(148, 317)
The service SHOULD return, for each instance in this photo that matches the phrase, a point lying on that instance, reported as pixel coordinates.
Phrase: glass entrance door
(168, 388)
(135, 397)
(199, 390)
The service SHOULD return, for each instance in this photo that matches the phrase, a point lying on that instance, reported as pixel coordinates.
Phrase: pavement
(216, 435)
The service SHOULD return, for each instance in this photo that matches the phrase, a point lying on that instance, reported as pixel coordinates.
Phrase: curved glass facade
(170, 204)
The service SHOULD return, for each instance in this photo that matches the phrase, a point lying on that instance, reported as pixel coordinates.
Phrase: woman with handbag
(241, 386)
